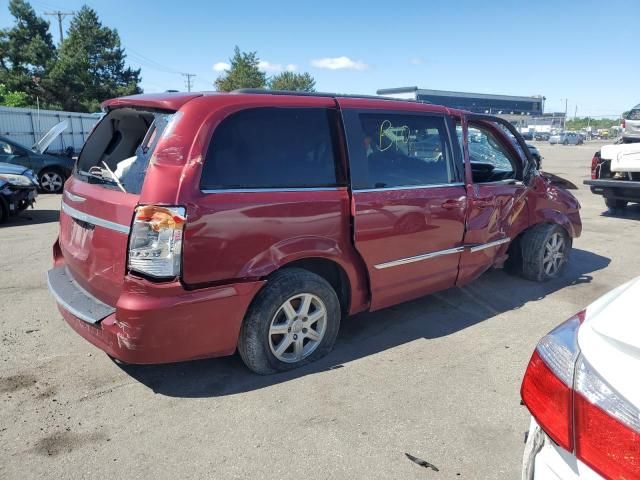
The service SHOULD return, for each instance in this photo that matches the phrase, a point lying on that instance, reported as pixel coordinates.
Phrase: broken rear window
(118, 151)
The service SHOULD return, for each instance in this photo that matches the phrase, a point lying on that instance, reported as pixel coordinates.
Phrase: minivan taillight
(577, 409)
(155, 243)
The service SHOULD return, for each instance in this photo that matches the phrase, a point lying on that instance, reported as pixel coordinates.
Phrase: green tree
(242, 73)
(11, 98)
(90, 66)
(26, 51)
(295, 82)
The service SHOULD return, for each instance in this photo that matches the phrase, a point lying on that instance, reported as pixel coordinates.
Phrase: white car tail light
(547, 383)
(607, 426)
(577, 409)
(155, 244)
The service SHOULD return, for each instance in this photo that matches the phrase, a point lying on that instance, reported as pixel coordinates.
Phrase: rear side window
(272, 148)
(391, 149)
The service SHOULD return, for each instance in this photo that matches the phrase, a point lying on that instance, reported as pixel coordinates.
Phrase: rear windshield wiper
(95, 173)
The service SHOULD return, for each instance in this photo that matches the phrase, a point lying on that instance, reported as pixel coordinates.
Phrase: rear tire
(615, 204)
(294, 320)
(545, 250)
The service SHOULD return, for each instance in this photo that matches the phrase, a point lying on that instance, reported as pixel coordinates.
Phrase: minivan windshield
(118, 151)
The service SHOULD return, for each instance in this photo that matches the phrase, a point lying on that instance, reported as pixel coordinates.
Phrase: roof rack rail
(264, 91)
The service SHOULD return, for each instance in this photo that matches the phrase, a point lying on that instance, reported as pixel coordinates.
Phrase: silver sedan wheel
(555, 254)
(297, 328)
(51, 181)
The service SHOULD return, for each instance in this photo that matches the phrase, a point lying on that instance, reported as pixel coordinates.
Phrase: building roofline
(447, 93)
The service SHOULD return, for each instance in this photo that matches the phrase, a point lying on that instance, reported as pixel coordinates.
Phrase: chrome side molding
(418, 258)
(438, 253)
(97, 221)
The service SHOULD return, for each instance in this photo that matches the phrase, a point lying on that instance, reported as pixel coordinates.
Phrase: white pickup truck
(615, 174)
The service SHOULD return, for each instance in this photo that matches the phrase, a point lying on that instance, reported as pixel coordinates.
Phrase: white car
(582, 387)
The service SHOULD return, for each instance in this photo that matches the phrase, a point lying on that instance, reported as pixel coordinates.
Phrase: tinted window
(398, 150)
(272, 148)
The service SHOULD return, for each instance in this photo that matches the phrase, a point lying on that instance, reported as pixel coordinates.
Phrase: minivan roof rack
(264, 91)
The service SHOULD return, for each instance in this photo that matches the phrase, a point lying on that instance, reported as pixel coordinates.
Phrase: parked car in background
(631, 125)
(541, 136)
(566, 138)
(246, 232)
(528, 135)
(535, 153)
(18, 190)
(582, 391)
(51, 170)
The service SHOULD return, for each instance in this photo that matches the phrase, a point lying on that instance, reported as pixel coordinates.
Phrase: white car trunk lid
(610, 339)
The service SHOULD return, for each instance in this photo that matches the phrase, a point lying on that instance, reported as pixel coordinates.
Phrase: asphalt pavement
(437, 378)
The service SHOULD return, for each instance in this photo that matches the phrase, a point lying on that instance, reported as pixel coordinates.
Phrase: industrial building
(523, 111)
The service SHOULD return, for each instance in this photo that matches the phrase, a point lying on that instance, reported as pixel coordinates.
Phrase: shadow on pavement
(630, 212)
(32, 217)
(365, 334)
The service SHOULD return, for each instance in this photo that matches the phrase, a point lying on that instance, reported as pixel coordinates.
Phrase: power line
(61, 15)
(189, 80)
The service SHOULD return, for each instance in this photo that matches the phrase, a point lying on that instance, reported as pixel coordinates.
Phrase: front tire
(545, 252)
(51, 180)
(294, 320)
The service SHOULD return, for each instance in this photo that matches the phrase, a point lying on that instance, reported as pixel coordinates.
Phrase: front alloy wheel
(51, 181)
(545, 250)
(555, 254)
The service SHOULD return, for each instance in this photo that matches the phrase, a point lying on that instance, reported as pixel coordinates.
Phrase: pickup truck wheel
(294, 320)
(614, 204)
(545, 252)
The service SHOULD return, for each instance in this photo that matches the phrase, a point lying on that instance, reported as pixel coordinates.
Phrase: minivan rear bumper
(163, 323)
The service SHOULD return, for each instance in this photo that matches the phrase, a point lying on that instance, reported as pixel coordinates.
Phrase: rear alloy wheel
(297, 328)
(545, 252)
(51, 181)
(615, 204)
(294, 320)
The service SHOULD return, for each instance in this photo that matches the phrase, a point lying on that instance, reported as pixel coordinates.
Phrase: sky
(585, 53)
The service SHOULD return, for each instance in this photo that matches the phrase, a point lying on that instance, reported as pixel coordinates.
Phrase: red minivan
(196, 224)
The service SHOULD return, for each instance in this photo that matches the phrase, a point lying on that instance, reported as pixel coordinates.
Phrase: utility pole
(189, 80)
(60, 16)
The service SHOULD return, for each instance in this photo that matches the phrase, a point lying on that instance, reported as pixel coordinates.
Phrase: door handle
(483, 202)
(451, 204)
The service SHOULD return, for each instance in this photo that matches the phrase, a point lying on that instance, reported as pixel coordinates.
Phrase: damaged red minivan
(196, 224)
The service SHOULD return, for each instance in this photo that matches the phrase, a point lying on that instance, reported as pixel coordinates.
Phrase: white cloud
(269, 67)
(221, 67)
(339, 63)
(418, 61)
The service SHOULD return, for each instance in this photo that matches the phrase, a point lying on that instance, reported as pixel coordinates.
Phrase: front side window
(272, 148)
(490, 159)
(388, 150)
